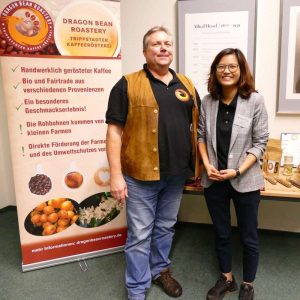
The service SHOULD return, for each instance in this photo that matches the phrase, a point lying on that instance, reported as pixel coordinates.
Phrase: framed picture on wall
(289, 67)
(207, 27)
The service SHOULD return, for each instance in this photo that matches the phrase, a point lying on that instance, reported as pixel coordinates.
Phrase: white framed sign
(206, 28)
(290, 144)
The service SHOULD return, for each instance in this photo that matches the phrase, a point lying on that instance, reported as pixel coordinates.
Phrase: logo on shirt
(182, 95)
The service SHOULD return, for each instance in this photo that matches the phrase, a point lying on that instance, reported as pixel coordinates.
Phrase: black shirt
(224, 127)
(175, 118)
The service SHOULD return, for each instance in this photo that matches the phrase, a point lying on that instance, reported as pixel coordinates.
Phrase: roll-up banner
(59, 60)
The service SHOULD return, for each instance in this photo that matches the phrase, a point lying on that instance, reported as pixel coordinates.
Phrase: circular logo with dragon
(26, 26)
(182, 95)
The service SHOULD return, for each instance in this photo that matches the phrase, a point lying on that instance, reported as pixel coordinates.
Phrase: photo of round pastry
(98, 210)
(52, 216)
(102, 176)
(73, 180)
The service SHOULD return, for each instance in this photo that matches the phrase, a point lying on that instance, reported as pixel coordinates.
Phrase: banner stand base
(68, 259)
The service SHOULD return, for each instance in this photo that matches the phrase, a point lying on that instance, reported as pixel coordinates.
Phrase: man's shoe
(171, 287)
(246, 292)
(221, 288)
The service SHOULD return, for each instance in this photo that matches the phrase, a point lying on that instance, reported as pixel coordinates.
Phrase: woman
(232, 136)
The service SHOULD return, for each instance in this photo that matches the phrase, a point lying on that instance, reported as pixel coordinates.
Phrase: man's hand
(118, 187)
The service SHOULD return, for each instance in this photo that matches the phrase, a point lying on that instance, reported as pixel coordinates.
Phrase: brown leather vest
(139, 152)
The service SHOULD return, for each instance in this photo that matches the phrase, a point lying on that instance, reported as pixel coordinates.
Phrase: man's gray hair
(151, 31)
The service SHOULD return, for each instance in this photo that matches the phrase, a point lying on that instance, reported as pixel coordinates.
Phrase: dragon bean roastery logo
(182, 95)
(26, 26)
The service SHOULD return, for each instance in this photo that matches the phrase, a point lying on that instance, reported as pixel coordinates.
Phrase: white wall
(137, 16)
(7, 194)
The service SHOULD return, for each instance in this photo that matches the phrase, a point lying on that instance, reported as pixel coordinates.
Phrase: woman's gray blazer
(249, 135)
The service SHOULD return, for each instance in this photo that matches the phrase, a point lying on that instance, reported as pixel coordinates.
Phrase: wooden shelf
(277, 191)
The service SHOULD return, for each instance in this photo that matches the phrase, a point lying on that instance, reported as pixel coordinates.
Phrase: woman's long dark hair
(245, 84)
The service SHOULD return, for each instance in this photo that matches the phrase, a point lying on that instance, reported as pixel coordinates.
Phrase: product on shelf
(271, 179)
(295, 183)
(284, 182)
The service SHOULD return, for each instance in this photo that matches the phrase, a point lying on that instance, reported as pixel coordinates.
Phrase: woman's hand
(212, 173)
(227, 174)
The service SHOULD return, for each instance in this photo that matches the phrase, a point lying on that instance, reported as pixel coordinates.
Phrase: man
(149, 151)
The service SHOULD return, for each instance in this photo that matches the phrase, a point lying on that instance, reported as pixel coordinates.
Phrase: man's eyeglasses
(232, 68)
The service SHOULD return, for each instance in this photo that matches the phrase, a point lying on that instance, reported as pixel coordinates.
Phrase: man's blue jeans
(152, 208)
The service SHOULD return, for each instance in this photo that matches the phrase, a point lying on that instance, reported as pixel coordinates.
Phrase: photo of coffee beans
(40, 184)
